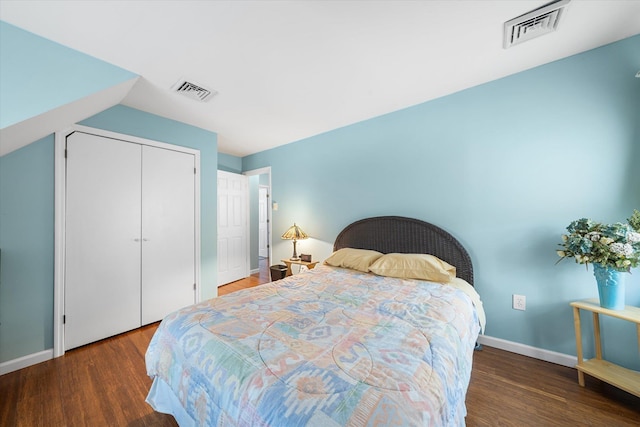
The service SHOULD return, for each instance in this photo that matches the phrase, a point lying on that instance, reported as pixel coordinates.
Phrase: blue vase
(610, 287)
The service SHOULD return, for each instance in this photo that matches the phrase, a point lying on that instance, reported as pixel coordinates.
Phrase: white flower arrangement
(610, 245)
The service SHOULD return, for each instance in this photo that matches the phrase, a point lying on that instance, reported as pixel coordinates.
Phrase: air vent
(533, 24)
(193, 90)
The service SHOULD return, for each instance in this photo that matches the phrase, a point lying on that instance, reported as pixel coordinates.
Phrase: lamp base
(294, 259)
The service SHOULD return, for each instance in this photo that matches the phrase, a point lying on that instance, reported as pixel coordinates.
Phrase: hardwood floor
(105, 384)
(262, 276)
(508, 389)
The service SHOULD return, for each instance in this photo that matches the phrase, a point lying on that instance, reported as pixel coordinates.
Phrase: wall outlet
(519, 302)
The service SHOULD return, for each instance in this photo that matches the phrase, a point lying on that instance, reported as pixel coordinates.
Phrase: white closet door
(102, 275)
(168, 232)
(233, 227)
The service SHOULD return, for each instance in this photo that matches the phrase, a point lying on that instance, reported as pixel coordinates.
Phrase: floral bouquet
(611, 245)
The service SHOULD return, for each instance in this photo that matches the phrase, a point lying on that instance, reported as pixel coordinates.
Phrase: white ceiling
(287, 70)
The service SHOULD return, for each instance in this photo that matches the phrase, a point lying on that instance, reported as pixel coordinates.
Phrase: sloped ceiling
(287, 70)
(32, 129)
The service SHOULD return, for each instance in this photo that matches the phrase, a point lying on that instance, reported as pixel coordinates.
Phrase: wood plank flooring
(105, 384)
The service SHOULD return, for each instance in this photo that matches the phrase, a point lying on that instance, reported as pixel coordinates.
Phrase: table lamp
(294, 233)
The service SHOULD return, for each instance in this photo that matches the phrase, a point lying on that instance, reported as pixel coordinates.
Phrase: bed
(333, 346)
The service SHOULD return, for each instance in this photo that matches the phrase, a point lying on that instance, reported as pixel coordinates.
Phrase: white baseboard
(254, 271)
(527, 350)
(24, 361)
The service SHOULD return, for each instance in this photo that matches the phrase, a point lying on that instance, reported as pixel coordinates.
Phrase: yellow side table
(623, 378)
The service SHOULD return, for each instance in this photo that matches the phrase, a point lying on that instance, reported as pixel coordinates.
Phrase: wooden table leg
(576, 324)
(596, 335)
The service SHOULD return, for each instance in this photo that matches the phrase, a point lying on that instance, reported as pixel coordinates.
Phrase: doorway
(260, 211)
(263, 223)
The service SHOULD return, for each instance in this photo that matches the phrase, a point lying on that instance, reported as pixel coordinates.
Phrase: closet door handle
(136, 240)
(145, 240)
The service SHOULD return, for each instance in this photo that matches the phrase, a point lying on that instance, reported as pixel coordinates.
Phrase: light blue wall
(134, 122)
(26, 245)
(38, 75)
(229, 163)
(505, 167)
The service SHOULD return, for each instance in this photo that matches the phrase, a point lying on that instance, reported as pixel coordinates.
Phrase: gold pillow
(414, 266)
(356, 259)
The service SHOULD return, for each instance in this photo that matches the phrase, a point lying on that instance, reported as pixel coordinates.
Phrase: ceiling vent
(193, 90)
(533, 24)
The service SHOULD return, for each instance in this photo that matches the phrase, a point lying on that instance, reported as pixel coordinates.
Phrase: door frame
(60, 184)
(266, 171)
(266, 187)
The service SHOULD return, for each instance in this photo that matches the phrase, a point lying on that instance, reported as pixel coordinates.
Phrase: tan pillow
(356, 259)
(414, 266)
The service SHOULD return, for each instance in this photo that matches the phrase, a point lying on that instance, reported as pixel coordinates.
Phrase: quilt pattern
(330, 347)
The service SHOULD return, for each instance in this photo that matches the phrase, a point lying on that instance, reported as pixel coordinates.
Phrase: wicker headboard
(389, 234)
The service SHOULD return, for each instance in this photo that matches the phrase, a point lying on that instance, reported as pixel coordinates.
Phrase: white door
(263, 222)
(103, 241)
(233, 227)
(168, 232)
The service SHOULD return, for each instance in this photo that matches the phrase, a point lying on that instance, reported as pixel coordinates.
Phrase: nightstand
(623, 378)
(307, 264)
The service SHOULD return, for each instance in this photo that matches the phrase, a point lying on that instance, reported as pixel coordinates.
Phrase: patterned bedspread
(329, 347)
